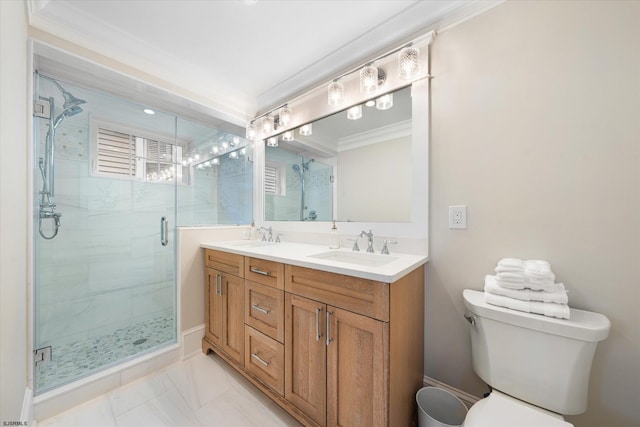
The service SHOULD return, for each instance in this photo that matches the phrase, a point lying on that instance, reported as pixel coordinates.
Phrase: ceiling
(240, 56)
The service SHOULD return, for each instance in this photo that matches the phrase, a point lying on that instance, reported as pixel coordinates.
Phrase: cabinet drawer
(268, 273)
(264, 358)
(264, 309)
(225, 261)
(361, 296)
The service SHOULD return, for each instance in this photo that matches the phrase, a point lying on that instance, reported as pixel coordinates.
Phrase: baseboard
(192, 341)
(467, 398)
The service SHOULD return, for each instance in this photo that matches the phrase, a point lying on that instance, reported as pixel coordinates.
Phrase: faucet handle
(278, 237)
(355, 247)
(385, 247)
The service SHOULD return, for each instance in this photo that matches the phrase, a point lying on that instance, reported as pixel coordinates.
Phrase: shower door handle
(164, 231)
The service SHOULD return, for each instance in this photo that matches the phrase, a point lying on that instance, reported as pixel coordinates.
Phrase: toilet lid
(500, 410)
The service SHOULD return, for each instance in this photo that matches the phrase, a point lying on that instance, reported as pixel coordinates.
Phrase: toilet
(538, 366)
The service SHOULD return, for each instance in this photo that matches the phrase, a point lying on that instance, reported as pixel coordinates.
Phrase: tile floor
(72, 361)
(202, 391)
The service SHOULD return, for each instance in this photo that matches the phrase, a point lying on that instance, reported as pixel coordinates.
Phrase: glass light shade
(285, 116)
(335, 93)
(267, 124)
(287, 136)
(370, 103)
(354, 113)
(368, 79)
(251, 131)
(384, 102)
(306, 130)
(272, 142)
(408, 62)
(216, 161)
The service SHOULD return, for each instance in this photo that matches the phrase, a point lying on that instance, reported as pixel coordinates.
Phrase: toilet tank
(540, 360)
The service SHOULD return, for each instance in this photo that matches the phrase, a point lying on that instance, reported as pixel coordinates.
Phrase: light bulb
(285, 116)
(408, 62)
(306, 130)
(335, 93)
(384, 102)
(354, 113)
(287, 136)
(251, 131)
(267, 124)
(369, 79)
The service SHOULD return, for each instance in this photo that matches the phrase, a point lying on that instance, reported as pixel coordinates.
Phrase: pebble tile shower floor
(72, 361)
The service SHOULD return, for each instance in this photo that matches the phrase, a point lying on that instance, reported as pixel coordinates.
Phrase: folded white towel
(549, 309)
(512, 277)
(511, 263)
(559, 296)
(534, 285)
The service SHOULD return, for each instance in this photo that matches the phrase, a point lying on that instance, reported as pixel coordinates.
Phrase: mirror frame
(417, 228)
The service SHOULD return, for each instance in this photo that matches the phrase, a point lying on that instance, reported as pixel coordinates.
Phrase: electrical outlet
(458, 217)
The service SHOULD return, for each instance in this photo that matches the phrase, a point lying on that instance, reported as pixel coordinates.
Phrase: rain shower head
(70, 101)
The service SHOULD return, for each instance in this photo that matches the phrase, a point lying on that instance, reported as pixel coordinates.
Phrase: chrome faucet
(369, 237)
(385, 247)
(261, 230)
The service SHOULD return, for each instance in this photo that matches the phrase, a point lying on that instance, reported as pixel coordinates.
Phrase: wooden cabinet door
(305, 356)
(357, 393)
(233, 317)
(213, 307)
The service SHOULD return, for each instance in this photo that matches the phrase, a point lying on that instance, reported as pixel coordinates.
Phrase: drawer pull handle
(258, 271)
(318, 333)
(260, 309)
(259, 359)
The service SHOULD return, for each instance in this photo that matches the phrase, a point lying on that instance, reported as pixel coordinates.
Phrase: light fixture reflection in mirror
(306, 130)
(354, 113)
(364, 165)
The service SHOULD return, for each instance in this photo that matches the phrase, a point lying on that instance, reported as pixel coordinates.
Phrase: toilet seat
(500, 410)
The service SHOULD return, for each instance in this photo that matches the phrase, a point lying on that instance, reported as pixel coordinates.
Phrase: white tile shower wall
(89, 276)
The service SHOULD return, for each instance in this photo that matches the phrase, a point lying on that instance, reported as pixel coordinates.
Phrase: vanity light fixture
(267, 124)
(335, 93)
(285, 116)
(272, 142)
(408, 62)
(288, 136)
(354, 113)
(369, 79)
(306, 130)
(252, 132)
(384, 102)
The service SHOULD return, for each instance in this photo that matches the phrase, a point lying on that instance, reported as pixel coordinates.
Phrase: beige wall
(13, 209)
(536, 128)
(191, 269)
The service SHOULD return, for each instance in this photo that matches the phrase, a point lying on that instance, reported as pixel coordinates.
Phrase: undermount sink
(365, 259)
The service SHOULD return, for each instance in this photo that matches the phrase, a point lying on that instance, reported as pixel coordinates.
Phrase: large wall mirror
(356, 166)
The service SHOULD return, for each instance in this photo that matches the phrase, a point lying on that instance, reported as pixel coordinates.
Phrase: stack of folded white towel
(527, 286)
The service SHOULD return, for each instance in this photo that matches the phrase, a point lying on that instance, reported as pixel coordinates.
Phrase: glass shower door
(105, 177)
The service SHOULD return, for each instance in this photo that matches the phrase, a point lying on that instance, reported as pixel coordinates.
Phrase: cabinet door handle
(258, 271)
(329, 339)
(260, 309)
(259, 359)
(318, 333)
(219, 284)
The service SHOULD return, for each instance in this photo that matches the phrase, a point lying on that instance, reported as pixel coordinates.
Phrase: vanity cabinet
(224, 308)
(331, 349)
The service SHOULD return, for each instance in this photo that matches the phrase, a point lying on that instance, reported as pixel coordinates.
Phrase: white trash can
(439, 408)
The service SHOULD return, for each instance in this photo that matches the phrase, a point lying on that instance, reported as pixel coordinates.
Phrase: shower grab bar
(164, 231)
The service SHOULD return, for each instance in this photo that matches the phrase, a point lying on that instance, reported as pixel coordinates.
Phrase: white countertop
(382, 268)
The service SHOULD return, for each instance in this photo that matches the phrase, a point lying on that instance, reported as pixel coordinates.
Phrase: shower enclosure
(105, 179)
